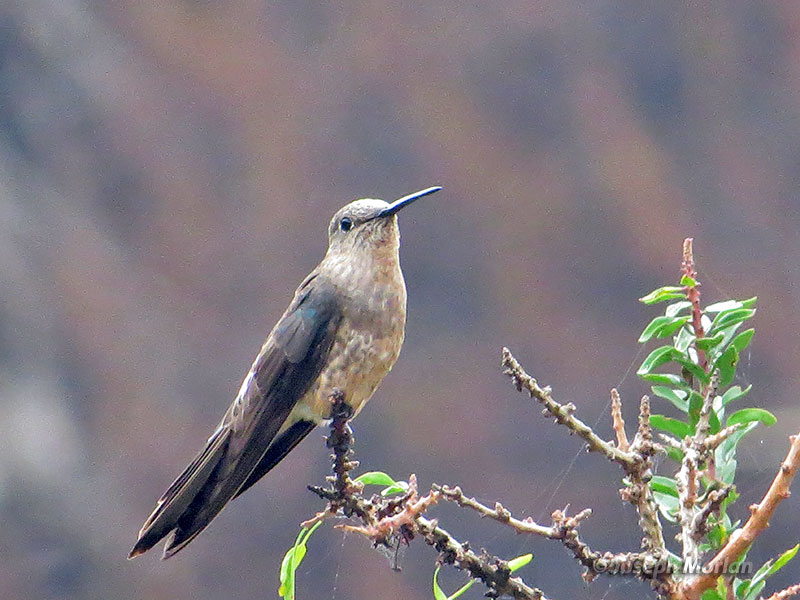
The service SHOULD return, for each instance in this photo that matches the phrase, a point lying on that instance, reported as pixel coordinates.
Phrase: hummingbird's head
(369, 223)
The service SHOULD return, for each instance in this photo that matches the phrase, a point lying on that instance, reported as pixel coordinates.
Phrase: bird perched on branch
(341, 335)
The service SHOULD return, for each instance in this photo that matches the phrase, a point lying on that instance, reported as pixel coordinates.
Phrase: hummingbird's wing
(278, 449)
(289, 362)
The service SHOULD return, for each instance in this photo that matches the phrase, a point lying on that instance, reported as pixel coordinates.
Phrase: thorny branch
(397, 520)
(744, 537)
(563, 529)
(390, 521)
(636, 461)
(562, 413)
(792, 590)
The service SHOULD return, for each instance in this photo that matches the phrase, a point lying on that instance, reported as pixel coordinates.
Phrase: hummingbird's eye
(346, 224)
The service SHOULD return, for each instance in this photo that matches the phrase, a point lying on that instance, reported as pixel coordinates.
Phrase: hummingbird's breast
(368, 340)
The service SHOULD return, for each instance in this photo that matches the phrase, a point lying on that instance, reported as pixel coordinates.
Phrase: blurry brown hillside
(167, 172)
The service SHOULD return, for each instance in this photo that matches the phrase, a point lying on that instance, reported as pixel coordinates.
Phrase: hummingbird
(341, 334)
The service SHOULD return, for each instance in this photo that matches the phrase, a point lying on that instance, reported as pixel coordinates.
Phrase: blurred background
(167, 172)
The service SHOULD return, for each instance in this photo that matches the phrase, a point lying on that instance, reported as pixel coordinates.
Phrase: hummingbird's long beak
(406, 200)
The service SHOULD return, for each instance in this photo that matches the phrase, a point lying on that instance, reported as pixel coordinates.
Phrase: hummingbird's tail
(182, 497)
(197, 496)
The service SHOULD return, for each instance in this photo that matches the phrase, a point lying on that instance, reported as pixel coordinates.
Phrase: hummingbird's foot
(340, 409)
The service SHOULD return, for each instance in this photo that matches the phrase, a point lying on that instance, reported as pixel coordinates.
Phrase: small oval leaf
(664, 485)
(734, 393)
(722, 306)
(742, 341)
(707, 343)
(676, 397)
(731, 317)
(727, 365)
(749, 415)
(661, 327)
(665, 378)
(519, 562)
(677, 428)
(656, 358)
(676, 307)
(668, 292)
(374, 478)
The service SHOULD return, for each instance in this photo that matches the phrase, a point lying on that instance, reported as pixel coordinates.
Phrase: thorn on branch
(711, 442)
(636, 461)
(562, 413)
(792, 590)
(617, 422)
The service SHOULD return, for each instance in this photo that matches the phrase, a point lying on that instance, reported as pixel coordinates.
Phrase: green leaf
(731, 317)
(748, 415)
(742, 341)
(734, 393)
(722, 588)
(695, 405)
(726, 471)
(783, 559)
(669, 292)
(739, 586)
(725, 455)
(656, 358)
(684, 339)
(728, 333)
(711, 594)
(713, 422)
(439, 594)
(661, 327)
(717, 536)
(519, 562)
(675, 454)
(730, 305)
(688, 281)
(768, 569)
(722, 306)
(664, 485)
(706, 343)
(667, 505)
(513, 565)
(292, 560)
(693, 368)
(754, 591)
(677, 428)
(695, 401)
(381, 478)
(665, 378)
(676, 397)
(676, 307)
(374, 478)
(727, 365)
(668, 330)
